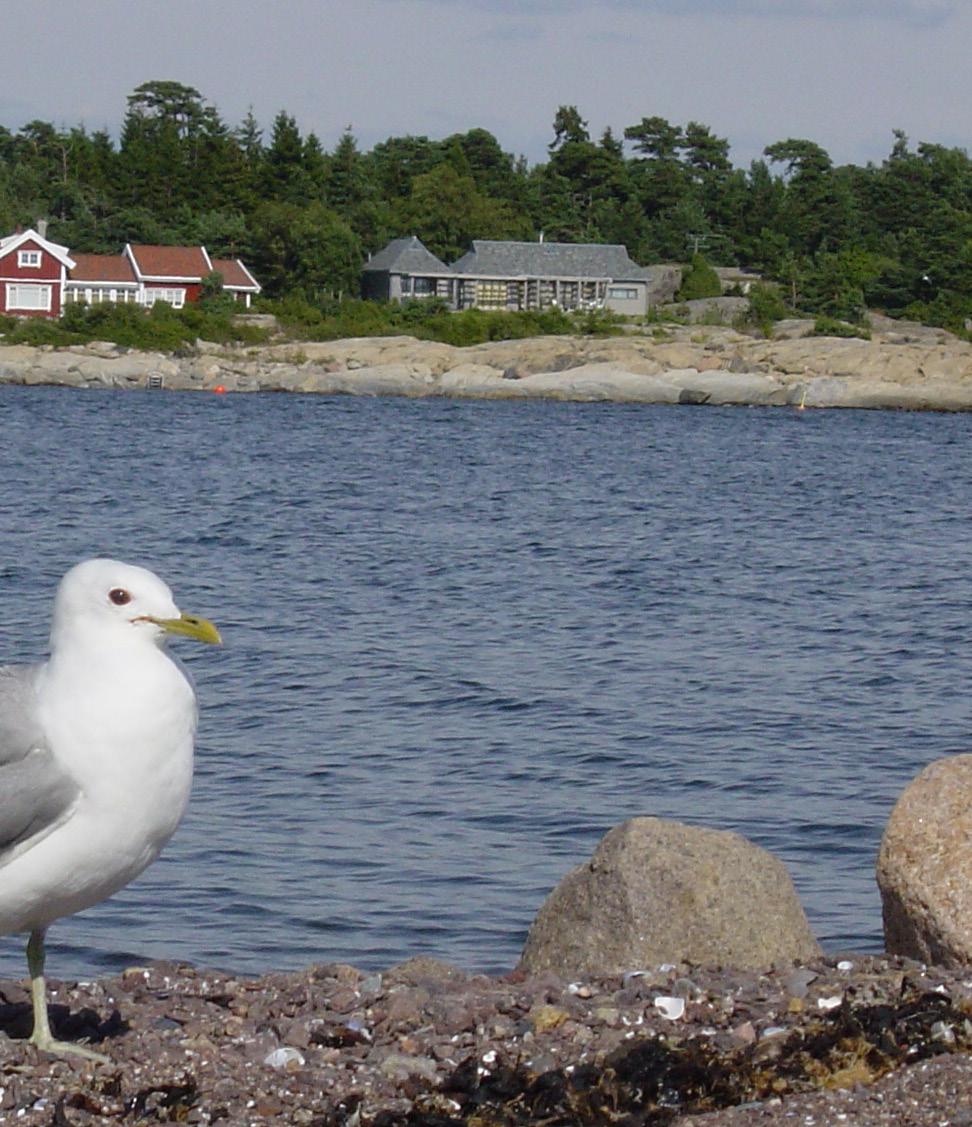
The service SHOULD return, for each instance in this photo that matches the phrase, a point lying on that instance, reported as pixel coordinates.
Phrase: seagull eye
(119, 596)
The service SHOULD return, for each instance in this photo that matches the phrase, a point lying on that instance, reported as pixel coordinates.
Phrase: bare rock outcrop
(924, 866)
(658, 891)
(903, 366)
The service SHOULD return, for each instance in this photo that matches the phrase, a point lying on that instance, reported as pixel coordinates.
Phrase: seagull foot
(67, 1049)
(41, 1037)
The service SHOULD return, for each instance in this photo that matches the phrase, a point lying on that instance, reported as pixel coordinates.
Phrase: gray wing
(36, 793)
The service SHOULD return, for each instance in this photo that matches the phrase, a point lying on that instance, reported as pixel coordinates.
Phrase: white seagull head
(108, 603)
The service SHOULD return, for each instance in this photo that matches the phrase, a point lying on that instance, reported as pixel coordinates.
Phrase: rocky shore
(903, 365)
(856, 1040)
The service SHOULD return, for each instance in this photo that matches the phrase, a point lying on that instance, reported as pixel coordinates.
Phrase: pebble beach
(856, 1040)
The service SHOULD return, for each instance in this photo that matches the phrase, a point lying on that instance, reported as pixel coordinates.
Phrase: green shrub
(598, 322)
(37, 331)
(161, 329)
(766, 305)
(424, 318)
(699, 281)
(830, 327)
(165, 329)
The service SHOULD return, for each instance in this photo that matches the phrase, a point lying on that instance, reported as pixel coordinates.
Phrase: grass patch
(831, 327)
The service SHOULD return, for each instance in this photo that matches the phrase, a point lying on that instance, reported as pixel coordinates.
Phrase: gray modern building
(515, 275)
(403, 269)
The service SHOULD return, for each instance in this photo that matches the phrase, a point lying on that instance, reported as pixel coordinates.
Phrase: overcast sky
(843, 73)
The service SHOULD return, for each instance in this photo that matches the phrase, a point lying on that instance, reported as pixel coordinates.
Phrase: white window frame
(18, 292)
(175, 297)
(623, 293)
(31, 259)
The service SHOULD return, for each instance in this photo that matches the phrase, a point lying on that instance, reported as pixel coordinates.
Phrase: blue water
(465, 639)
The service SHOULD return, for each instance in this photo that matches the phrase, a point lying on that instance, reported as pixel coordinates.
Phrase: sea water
(465, 639)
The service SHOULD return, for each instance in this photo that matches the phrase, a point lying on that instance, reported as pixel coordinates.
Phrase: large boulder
(657, 892)
(924, 866)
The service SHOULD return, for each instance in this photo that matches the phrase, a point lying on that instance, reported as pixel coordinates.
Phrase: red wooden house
(38, 277)
(33, 271)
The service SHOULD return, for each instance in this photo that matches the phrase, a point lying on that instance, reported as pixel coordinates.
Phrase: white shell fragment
(845, 965)
(284, 1057)
(672, 1008)
(830, 1003)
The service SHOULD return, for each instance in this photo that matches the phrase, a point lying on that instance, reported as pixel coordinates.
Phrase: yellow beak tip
(191, 626)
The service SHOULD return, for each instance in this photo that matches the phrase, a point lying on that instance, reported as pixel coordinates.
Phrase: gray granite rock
(901, 367)
(658, 891)
(924, 866)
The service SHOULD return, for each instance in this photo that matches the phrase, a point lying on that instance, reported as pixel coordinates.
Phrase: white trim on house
(194, 281)
(253, 287)
(14, 242)
(93, 293)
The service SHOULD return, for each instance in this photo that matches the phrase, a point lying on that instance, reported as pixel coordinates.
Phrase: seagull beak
(190, 626)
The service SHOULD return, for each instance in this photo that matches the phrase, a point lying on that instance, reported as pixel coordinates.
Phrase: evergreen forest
(896, 236)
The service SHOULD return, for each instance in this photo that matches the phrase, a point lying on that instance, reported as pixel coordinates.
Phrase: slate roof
(550, 260)
(407, 256)
(102, 268)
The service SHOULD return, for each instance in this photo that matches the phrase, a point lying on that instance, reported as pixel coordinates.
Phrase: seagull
(95, 756)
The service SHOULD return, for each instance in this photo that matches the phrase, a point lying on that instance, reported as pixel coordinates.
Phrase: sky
(842, 73)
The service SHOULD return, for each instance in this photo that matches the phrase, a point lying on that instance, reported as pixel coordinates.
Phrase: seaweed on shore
(654, 1080)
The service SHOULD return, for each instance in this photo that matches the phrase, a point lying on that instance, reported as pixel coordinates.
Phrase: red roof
(235, 274)
(170, 262)
(102, 268)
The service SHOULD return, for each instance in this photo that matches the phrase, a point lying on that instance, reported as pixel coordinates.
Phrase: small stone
(401, 1064)
(542, 1062)
(405, 1005)
(548, 1017)
(607, 1015)
(343, 1000)
(797, 983)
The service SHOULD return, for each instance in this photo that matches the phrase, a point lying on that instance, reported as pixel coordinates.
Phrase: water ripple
(463, 640)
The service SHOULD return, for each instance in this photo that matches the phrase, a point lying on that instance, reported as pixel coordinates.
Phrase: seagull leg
(41, 1037)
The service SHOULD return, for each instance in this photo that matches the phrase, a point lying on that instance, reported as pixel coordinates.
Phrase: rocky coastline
(721, 1035)
(903, 365)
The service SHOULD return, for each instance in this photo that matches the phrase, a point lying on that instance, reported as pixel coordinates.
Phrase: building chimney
(41, 228)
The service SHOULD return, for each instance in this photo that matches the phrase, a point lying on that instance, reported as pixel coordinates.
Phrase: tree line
(838, 239)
